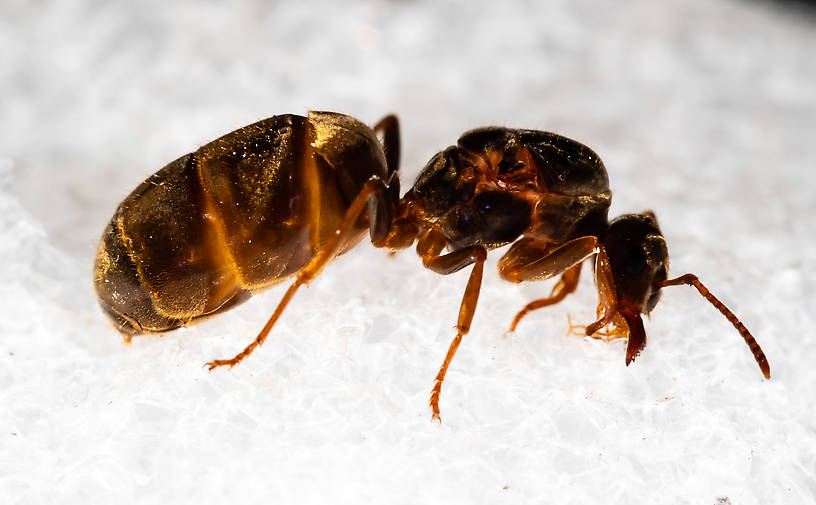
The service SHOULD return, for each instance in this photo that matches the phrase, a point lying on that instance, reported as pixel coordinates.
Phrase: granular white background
(703, 110)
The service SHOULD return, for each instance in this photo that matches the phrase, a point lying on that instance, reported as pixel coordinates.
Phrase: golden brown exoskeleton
(242, 213)
(284, 196)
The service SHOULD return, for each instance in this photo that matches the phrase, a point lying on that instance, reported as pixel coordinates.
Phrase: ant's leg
(530, 260)
(403, 231)
(565, 286)
(388, 131)
(382, 210)
(374, 189)
(430, 246)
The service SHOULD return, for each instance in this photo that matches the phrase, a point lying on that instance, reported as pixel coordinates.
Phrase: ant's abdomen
(208, 228)
(241, 213)
(158, 264)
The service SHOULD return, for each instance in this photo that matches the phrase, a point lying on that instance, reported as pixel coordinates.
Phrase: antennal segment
(692, 280)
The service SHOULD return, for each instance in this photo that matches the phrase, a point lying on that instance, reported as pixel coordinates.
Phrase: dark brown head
(638, 262)
(631, 275)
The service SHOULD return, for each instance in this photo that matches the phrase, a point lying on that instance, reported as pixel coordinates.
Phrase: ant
(282, 197)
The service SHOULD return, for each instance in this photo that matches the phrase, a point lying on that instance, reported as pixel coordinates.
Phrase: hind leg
(373, 191)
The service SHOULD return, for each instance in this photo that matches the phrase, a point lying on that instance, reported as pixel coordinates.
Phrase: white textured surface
(703, 110)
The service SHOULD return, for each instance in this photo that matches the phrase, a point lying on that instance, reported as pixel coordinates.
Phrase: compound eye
(634, 261)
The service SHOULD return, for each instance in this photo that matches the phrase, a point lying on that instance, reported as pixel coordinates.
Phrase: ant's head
(638, 259)
(631, 275)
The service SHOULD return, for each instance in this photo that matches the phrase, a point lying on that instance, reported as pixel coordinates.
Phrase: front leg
(565, 285)
(529, 259)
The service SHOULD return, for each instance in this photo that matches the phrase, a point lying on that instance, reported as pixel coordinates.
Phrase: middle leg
(430, 248)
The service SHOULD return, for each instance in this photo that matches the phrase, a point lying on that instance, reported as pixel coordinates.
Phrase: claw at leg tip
(212, 365)
(435, 414)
